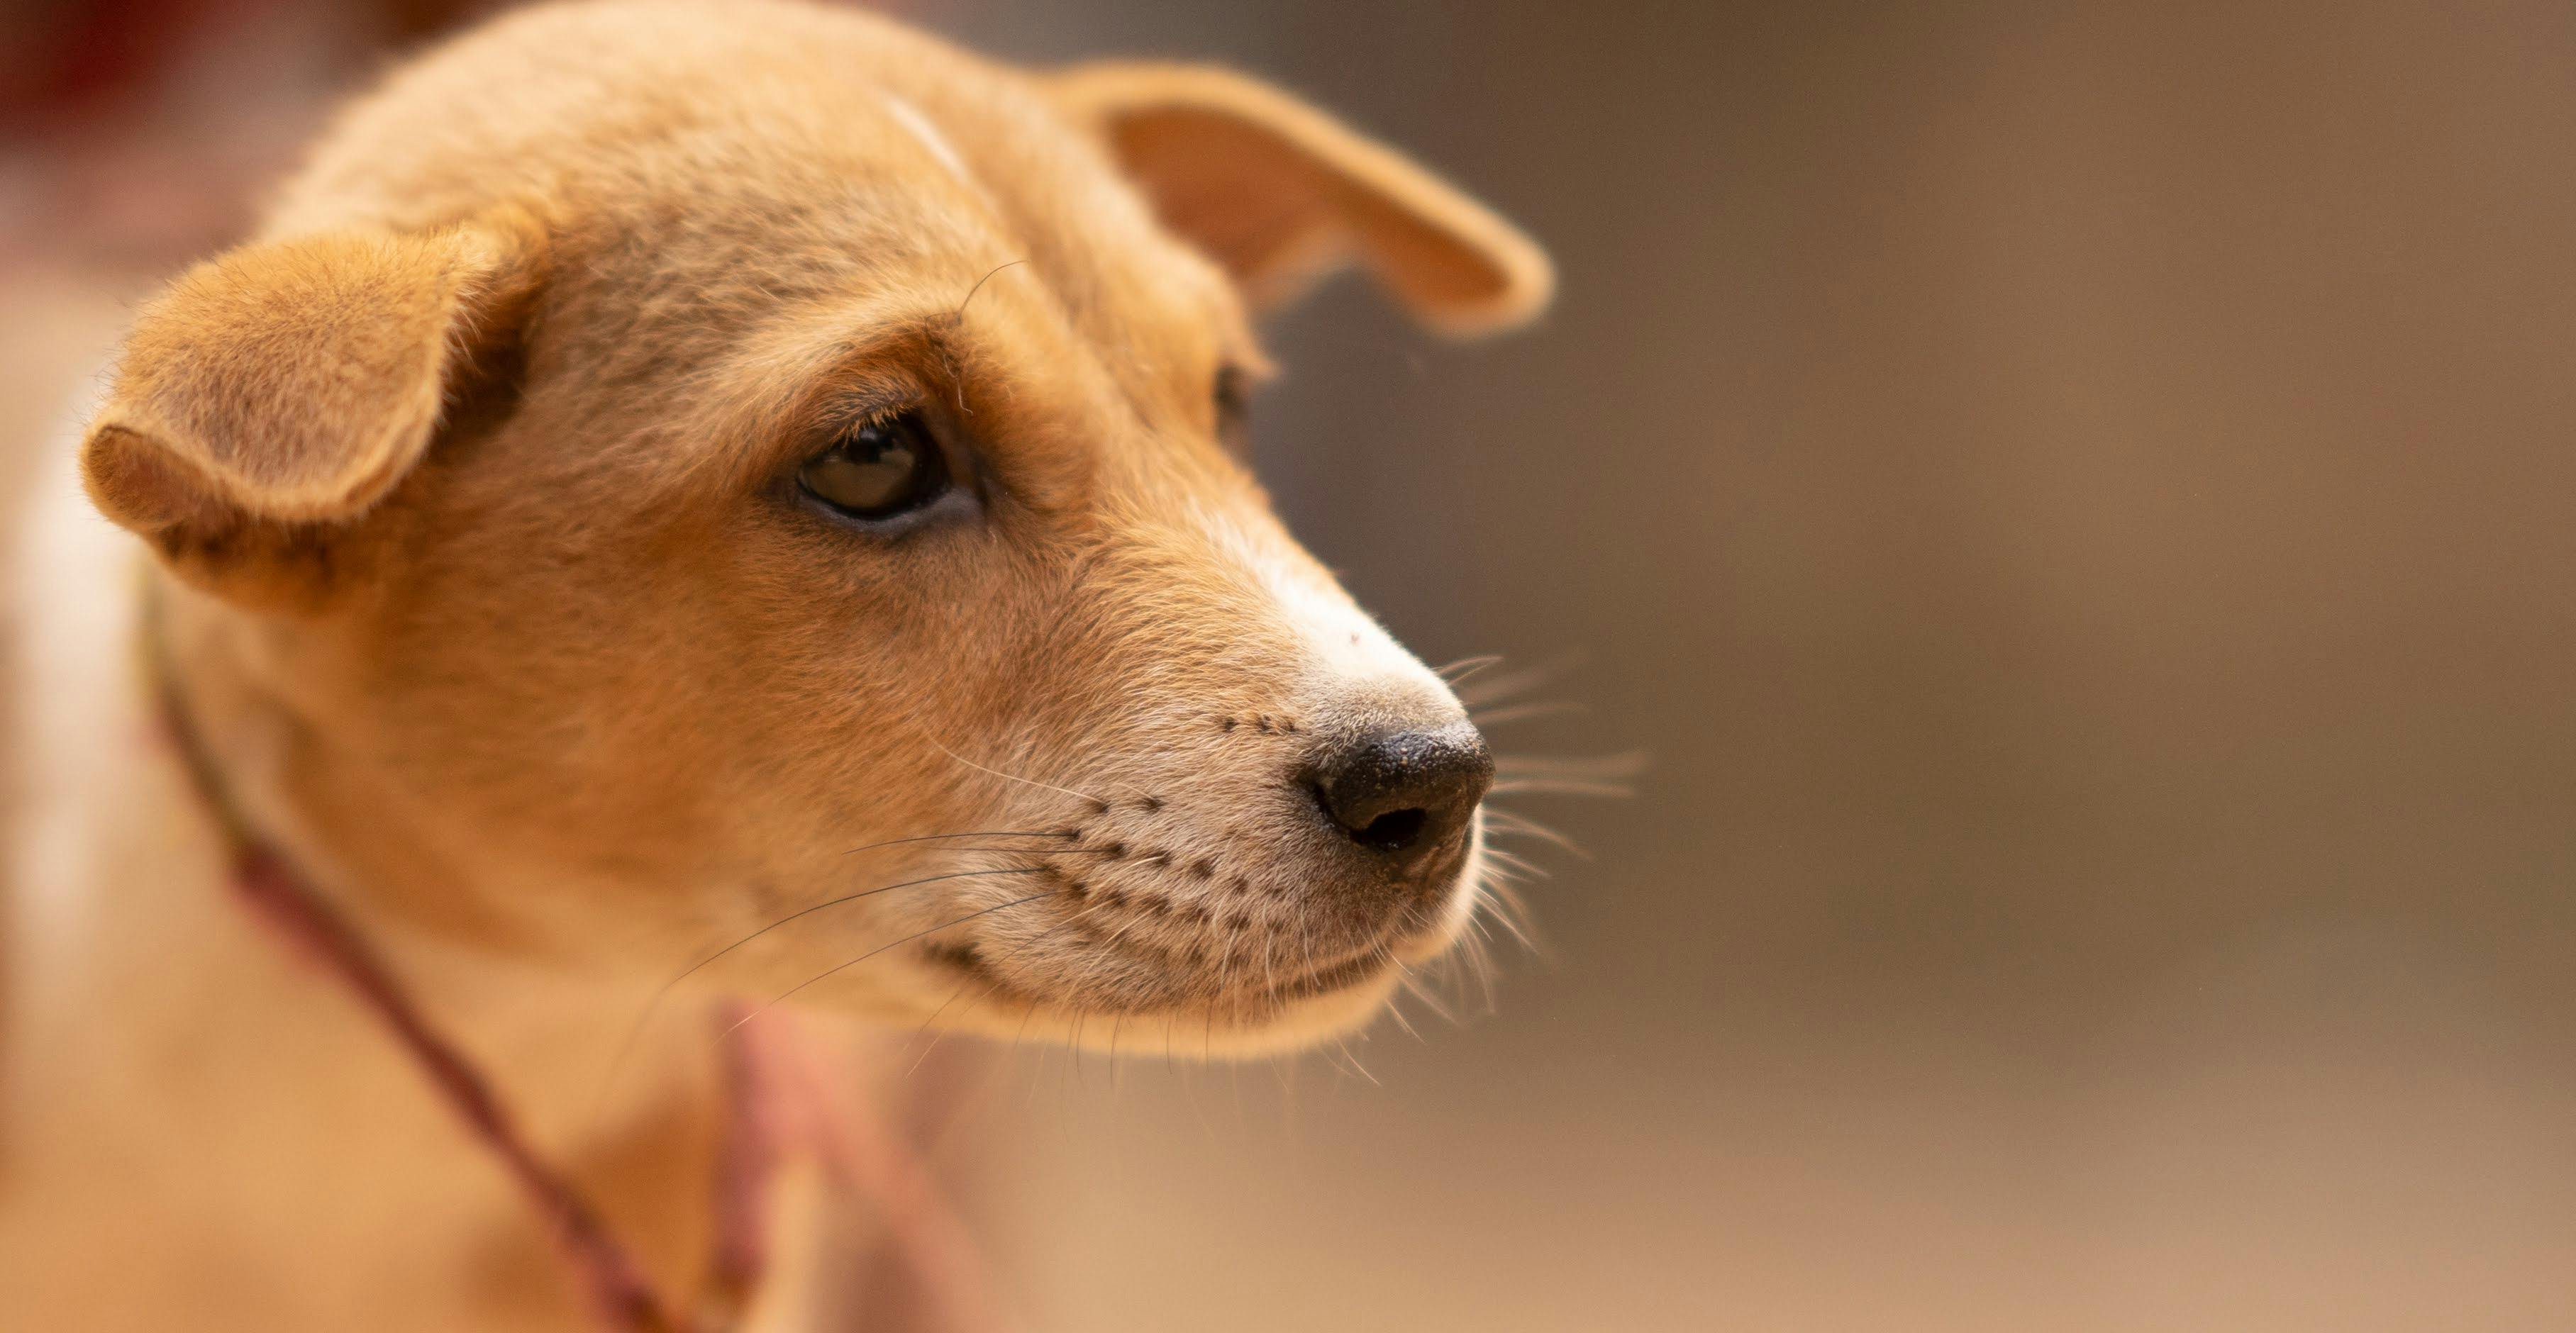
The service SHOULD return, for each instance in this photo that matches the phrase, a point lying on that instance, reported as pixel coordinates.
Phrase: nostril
(1400, 790)
(1393, 831)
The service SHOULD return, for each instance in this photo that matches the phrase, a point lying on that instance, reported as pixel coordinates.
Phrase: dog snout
(1404, 792)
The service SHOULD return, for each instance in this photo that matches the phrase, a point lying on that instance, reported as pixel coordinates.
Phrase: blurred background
(2076, 503)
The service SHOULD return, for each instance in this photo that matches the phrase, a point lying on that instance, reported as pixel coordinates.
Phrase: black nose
(1398, 790)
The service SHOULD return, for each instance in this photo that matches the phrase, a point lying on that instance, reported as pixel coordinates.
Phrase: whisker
(1480, 970)
(1561, 787)
(693, 968)
(1504, 907)
(1352, 1058)
(1395, 1004)
(785, 995)
(941, 837)
(1518, 865)
(1625, 764)
(1507, 823)
(1466, 972)
(960, 312)
(1269, 960)
(1011, 777)
(1502, 687)
(1031, 851)
(653, 1003)
(1500, 900)
(1419, 988)
(1465, 667)
(1116, 937)
(917, 1033)
(1023, 947)
(1495, 717)
(989, 986)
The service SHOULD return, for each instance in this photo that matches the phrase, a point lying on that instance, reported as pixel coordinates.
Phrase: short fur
(481, 580)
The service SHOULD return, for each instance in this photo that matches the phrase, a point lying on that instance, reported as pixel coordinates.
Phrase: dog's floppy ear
(1280, 194)
(273, 395)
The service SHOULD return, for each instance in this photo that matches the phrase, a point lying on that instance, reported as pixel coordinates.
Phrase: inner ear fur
(275, 394)
(1280, 194)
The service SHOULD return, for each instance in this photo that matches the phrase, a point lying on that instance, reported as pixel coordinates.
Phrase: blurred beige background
(2076, 501)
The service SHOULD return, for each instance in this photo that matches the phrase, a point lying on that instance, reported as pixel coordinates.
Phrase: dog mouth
(1144, 912)
(1179, 988)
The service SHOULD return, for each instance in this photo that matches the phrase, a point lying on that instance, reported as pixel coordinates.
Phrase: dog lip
(1395, 941)
(968, 962)
(1328, 978)
(1342, 973)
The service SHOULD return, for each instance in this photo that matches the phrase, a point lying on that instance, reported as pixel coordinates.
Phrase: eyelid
(879, 418)
(956, 446)
(842, 415)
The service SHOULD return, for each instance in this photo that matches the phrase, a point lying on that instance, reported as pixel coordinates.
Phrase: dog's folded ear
(272, 396)
(1280, 194)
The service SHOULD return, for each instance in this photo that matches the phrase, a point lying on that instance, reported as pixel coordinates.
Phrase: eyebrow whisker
(960, 311)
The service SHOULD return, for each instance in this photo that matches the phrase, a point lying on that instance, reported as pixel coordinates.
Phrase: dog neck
(269, 885)
(130, 940)
(543, 1034)
(161, 875)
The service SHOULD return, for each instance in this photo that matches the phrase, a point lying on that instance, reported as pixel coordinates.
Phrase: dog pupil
(877, 471)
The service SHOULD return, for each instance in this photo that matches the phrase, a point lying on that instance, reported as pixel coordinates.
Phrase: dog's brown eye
(1233, 394)
(882, 469)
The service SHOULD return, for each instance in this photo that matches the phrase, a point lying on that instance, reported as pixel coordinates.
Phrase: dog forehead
(715, 176)
(667, 301)
(755, 148)
(928, 191)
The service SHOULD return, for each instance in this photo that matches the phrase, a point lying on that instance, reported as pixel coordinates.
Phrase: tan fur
(1281, 194)
(464, 479)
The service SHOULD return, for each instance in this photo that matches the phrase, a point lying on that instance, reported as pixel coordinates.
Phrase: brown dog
(653, 451)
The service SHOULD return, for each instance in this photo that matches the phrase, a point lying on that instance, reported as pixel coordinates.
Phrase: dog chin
(1336, 1002)
(1207, 1033)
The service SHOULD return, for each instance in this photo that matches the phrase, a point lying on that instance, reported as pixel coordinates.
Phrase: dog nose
(1400, 790)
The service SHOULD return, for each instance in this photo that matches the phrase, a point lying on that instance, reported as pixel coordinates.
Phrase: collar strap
(621, 1297)
(620, 1294)
(777, 1098)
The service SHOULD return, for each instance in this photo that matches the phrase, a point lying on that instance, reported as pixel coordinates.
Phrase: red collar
(780, 1094)
(620, 1293)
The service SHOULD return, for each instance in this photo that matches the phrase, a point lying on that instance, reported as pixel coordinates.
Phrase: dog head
(676, 474)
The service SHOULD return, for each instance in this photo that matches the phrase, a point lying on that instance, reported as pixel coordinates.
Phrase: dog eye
(1233, 395)
(882, 469)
